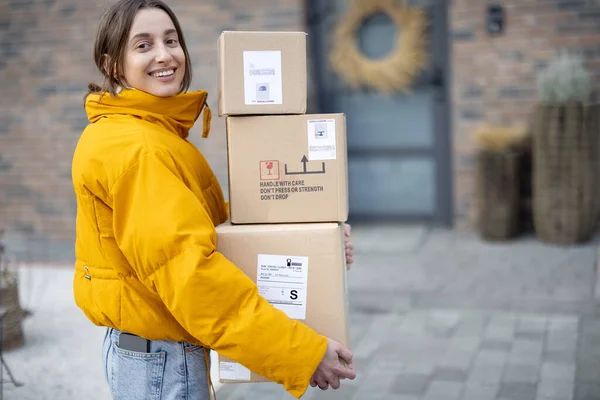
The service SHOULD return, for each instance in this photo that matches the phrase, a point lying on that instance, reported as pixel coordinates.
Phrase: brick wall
(46, 62)
(494, 77)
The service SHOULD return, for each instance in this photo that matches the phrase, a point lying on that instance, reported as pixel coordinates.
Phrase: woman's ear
(106, 61)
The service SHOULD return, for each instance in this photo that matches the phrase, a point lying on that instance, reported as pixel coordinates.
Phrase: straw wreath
(395, 72)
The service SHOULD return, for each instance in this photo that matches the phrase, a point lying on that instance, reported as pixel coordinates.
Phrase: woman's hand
(349, 246)
(336, 365)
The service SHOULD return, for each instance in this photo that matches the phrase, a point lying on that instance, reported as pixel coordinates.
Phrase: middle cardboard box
(299, 269)
(287, 168)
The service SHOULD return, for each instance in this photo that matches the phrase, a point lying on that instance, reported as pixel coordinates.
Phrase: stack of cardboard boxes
(288, 185)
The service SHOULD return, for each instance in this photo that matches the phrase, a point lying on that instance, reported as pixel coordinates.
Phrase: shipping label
(282, 281)
(233, 371)
(321, 139)
(262, 77)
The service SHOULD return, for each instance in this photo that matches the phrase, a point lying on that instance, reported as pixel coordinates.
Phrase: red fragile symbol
(269, 170)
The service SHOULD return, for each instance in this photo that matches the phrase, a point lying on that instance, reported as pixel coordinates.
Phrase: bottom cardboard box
(310, 263)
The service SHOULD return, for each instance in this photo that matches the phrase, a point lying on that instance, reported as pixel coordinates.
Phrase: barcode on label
(262, 71)
(321, 148)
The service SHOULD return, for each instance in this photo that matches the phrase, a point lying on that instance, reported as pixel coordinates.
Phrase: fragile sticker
(321, 139)
(233, 371)
(282, 281)
(262, 77)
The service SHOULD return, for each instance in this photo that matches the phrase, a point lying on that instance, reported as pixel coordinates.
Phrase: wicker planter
(12, 322)
(498, 194)
(566, 165)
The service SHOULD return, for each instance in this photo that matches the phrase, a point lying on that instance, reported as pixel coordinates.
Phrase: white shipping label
(321, 139)
(262, 77)
(282, 280)
(233, 371)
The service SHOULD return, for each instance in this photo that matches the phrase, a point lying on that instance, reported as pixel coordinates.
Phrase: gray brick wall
(494, 77)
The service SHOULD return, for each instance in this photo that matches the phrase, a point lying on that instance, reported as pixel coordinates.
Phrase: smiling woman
(154, 59)
(143, 49)
(148, 202)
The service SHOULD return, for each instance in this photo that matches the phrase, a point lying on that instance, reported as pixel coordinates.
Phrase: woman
(148, 204)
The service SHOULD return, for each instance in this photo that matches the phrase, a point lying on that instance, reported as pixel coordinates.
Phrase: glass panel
(380, 122)
(380, 186)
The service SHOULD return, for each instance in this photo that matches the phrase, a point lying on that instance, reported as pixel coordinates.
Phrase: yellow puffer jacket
(146, 263)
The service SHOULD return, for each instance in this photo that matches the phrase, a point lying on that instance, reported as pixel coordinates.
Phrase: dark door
(398, 145)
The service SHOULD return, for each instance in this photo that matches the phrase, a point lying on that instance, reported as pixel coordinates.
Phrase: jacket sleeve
(166, 234)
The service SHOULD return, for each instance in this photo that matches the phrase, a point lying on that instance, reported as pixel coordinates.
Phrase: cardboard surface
(290, 168)
(313, 285)
(262, 73)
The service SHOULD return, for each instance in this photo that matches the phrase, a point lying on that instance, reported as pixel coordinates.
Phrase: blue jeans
(170, 371)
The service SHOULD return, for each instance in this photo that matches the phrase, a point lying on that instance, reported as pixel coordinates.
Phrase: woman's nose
(163, 54)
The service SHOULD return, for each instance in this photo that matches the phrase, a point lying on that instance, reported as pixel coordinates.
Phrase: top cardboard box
(262, 73)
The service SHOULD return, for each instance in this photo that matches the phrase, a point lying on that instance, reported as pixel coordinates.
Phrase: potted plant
(566, 153)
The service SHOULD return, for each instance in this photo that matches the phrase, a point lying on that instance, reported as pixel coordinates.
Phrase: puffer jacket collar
(176, 113)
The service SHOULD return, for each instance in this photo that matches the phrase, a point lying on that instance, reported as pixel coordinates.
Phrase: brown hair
(111, 40)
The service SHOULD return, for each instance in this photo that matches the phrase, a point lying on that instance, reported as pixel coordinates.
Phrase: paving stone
(472, 326)
(450, 374)
(487, 357)
(373, 338)
(555, 390)
(560, 356)
(443, 390)
(561, 341)
(480, 392)
(517, 391)
(466, 344)
(382, 365)
(521, 373)
(588, 369)
(567, 324)
(586, 391)
(486, 374)
(410, 384)
(413, 324)
(343, 393)
(421, 367)
(496, 345)
(534, 336)
(531, 325)
(499, 333)
(365, 393)
(590, 326)
(558, 372)
(526, 352)
(528, 346)
(456, 360)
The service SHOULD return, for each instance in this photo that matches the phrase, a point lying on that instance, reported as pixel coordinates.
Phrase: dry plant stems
(393, 73)
(500, 138)
(565, 80)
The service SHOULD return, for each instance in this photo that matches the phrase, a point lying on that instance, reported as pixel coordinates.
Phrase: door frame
(441, 151)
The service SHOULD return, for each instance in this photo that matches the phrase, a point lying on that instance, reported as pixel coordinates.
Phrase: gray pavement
(435, 315)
